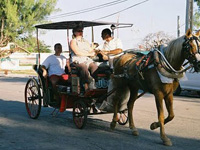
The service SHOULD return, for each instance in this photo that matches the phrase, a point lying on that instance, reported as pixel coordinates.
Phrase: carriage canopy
(71, 24)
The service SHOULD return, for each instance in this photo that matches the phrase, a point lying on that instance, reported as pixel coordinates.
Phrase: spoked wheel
(123, 117)
(80, 114)
(33, 98)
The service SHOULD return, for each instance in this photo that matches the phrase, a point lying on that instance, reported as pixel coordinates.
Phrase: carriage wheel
(33, 98)
(80, 114)
(123, 117)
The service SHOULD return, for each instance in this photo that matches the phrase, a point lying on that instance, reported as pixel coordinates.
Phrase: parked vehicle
(191, 82)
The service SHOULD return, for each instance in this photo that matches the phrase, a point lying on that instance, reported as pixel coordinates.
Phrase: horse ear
(188, 33)
(197, 33)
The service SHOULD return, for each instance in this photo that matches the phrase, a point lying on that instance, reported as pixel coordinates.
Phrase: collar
(80, 39)
(106, 42)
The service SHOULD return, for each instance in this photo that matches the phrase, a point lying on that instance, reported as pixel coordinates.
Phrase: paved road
(19, 132)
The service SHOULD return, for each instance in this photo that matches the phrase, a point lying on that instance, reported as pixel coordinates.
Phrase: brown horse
(127, 78)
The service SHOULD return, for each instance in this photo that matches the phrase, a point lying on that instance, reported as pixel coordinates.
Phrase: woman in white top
(80, 54)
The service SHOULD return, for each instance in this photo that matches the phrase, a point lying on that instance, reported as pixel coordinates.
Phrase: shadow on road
(13, 79)
(47, 132)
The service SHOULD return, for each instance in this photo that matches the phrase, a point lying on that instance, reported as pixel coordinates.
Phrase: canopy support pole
(38, 46)
(92, 36)
(70, 59)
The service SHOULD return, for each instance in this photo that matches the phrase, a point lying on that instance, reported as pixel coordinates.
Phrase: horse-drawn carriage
(38, 90)
(131, 73)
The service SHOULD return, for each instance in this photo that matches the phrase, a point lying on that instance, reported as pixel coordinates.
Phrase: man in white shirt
(111, 48)
(56, 68)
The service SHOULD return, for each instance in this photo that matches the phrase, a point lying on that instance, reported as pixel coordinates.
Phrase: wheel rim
(80, 114)
(32, 98)
(123, 118)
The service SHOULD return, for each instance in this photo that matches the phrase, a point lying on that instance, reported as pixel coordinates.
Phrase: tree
(196, 18)
(155, 39)
(18, 17)
(30, 44)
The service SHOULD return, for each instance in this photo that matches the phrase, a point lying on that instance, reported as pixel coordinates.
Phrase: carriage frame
(38, 90)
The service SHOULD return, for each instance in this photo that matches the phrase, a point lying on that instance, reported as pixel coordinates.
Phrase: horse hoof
(153, 126)
(112, 125)
(135, 132)
(167, 142)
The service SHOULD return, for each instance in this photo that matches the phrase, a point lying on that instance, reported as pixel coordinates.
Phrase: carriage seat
(46, 82)
(104, 70)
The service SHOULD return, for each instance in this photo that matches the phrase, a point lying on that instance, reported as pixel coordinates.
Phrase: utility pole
(178, 26)
(189, 15)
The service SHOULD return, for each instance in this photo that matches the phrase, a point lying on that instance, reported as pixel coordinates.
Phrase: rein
(125, 68)
(186, 48)
(168, 66)
(162, 64)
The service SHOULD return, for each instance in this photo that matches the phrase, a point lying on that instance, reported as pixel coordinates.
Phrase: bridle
(187, 47)
(190, 56)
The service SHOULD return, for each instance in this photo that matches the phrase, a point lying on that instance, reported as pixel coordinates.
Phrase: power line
(122, 10)
(88, 9)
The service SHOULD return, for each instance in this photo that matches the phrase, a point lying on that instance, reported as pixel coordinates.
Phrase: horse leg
(115, 108)
(159, 105)
(130, 105)
(169, 105)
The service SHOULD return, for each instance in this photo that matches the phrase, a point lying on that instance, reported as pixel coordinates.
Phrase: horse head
(191, 49)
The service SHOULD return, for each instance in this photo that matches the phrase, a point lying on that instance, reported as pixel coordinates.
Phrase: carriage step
(63, 89)
(54, 105)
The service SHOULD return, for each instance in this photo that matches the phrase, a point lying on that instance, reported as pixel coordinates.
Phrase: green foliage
(18, 17)
(30, 44)
(196, 19)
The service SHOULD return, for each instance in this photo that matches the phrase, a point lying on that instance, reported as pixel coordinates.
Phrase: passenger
(81, 53)
(56, 69)
(111, 48)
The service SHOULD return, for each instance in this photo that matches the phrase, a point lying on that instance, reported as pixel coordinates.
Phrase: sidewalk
(17, 74)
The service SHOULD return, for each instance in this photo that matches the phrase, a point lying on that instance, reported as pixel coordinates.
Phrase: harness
(148, 61)
(141, 64)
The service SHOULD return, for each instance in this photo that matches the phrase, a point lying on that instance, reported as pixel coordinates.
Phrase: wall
(23, 61)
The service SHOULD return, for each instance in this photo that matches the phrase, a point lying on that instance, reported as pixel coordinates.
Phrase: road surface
(19, 132)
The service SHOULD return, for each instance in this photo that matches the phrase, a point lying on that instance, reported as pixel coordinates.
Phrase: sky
(149, 17)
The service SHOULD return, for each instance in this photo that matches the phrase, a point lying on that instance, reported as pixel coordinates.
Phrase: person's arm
(114, 51)
(45, 65)
(44, 71)
(75, 49)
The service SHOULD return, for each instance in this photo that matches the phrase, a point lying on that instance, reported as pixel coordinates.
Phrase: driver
(111, 47)
(55, 64)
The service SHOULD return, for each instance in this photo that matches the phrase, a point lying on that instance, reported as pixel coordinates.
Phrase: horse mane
(173, 50)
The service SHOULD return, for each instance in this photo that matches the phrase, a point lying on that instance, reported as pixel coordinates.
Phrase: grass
(27, 72)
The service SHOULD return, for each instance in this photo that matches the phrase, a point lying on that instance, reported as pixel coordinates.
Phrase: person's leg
(93, 67)
(84, 74)
(94, 71)
(54, 81)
